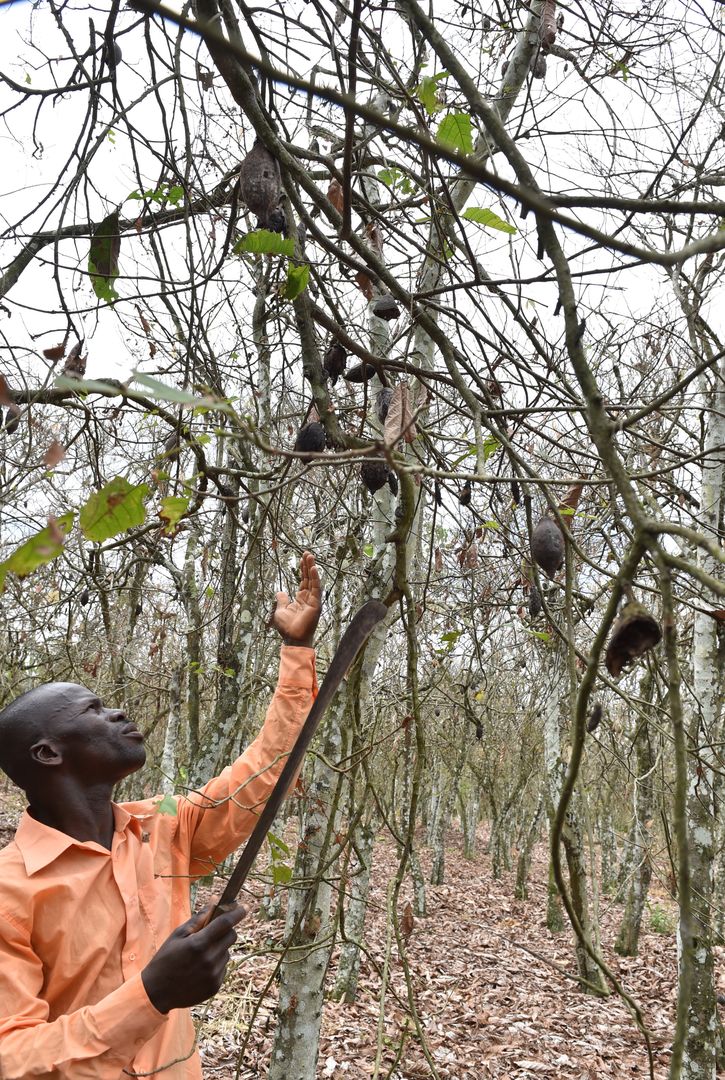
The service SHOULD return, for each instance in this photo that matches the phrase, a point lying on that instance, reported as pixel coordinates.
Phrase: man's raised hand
(296, 620)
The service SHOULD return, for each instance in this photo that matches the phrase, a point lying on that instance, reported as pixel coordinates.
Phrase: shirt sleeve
(95, 1041)
(216, 819)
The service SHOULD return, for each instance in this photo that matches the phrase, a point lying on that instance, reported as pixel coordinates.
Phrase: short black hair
(21, 725)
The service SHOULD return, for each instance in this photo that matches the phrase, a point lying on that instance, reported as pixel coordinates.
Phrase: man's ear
(46, 752)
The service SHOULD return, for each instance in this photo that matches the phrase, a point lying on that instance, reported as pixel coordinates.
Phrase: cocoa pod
(335, 361)
(386, 308)
(260, 181)
(534, 602)
(361, 373)
(464, 495)
(382, 402)
(374, 475)
(311, 438)
(393, 482)
(635, 632)
(547, 546)
(595, 718)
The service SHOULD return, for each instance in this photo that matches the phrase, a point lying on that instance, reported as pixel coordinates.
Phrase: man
(96, 974)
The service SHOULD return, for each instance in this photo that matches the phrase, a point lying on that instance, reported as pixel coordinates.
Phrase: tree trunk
(354, 919)
(448, 799)
(521, 891)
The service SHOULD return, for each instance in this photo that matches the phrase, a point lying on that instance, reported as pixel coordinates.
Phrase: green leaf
(264, 242)
(296, 283)
(161, 391)
(175, 194)
(281, 873)
(172, 510)
(118, 506)
(103, 258)
(487, 218)
(41, 548)
(454, 130)
(490, 446)
(451, 636)
(427, 92)
(542, 635)
(369, 550)
(277, 845)
(491, 525)
(167, 806)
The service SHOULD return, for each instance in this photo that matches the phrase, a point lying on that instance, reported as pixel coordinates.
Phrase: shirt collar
(40, 844)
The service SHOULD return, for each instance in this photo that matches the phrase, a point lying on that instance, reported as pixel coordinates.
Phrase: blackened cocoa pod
(84, 598)
(393, 481)
(260, 181)
(138, 610)
(479, 730)
(335, 361)
(534, 602)
(374, 475)
(464, 495)
(386, 308)
(277, 221)
(245, 513)
(360, 373)
(547, 546)
(13, 422)
(635, 633)
(437, 496)
(311, 438)
(302, 235)
(382, 402)
(515, 493)
(595, 718)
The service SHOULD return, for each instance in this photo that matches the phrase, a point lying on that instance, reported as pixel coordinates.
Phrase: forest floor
(494, 989)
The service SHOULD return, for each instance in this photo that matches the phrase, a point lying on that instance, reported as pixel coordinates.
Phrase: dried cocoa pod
(534, 602)
(75, 365)
(437, 495)
(595, 718)
(311, 439)
(12, 422)
(260, 182)
(386, 308)
(302, 235)
(374, 475)
(547, 546)
(335, 361)
(464, 495)
(393, 481)
(361, 373)
(84, 598)
(547, 27)
(382, 402)
(277, 221)
(479, 730)
(635, 632)
(515, 493)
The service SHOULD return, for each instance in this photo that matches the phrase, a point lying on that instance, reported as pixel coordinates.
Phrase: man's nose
(115, 715)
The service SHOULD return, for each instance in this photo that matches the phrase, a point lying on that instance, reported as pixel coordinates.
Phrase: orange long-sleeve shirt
(78, 923)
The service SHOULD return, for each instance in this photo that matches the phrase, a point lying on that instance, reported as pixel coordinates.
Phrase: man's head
(64, 730)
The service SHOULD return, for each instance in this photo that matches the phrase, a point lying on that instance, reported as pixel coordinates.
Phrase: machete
(351, 642)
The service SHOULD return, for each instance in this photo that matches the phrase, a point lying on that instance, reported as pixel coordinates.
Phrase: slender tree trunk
(348, 970)
(641, 868)
(521, 891)
(437, 873)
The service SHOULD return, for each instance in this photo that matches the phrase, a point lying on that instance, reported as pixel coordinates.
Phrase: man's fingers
(282, 600)
(223, 923)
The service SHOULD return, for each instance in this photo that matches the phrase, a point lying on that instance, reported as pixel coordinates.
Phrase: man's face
(93, 743)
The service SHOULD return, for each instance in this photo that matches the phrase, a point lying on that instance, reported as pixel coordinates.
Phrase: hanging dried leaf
(571, 499)
(56, 352)
(464, 495)
(260, 181)
(399, 422)
(334, 194)
(375, 236)
(635, 633)
(547, 27)
(54, 454)
(437, 495)
(538, 67)
(75, 365)
(438, 561)
(12, 421)
(472, 557)
(364, 284)
(5, 396)
(547, 546)
(407, 922)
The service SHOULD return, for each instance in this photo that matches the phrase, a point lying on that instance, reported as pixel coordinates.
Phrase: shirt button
(132, 956)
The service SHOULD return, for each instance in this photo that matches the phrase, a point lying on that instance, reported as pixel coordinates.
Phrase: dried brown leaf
(407, 922)
(399, 422)
(334, 194)
(54, 454)
(364, 284)
(5, 398)
(55, 352)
